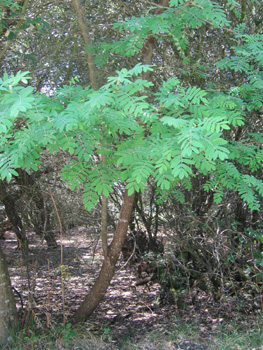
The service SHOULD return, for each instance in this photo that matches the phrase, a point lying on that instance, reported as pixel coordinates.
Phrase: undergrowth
(238, 334)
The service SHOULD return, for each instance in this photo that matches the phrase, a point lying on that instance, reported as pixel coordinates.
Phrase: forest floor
(130, 316)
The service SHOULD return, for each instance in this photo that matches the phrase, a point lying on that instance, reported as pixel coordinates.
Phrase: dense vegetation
(148, 119)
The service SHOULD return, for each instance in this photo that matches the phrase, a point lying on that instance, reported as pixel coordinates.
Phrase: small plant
(106, 330)
(67, 334)
(64, 271)
(106, 334)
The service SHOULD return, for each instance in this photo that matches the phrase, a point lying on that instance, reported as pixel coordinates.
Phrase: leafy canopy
(177, 136)
(180, 133)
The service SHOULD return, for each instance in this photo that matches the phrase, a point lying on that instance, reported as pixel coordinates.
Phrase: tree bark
(104, 218)
(8, 312)
(101, 285)
(86, 38)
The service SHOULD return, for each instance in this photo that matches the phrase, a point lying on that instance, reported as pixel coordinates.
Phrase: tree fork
(102, 283)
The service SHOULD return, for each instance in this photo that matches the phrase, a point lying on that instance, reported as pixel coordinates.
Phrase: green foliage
(176, 3)
(171, 135)
(249, 61)
(173, 22)
(13, 20)
(67, 334)
(183, 134)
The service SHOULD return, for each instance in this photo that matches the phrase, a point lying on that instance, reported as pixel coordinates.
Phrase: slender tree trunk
(101, 285)
(85, 35)
(94, 84)
(104, 218)
(8, 312)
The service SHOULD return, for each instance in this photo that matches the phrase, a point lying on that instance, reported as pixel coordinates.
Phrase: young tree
(173, 135)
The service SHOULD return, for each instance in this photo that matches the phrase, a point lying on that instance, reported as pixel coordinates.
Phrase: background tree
(9, 316)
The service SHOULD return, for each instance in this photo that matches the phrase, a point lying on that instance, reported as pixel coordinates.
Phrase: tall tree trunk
(8, 312)
(94, 84)
(101, 285)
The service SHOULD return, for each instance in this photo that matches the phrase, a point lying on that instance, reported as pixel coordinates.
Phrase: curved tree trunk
(8, 313)
(101, 285)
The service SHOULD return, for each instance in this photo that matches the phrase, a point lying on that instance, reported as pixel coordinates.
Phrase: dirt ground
(127, 311)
